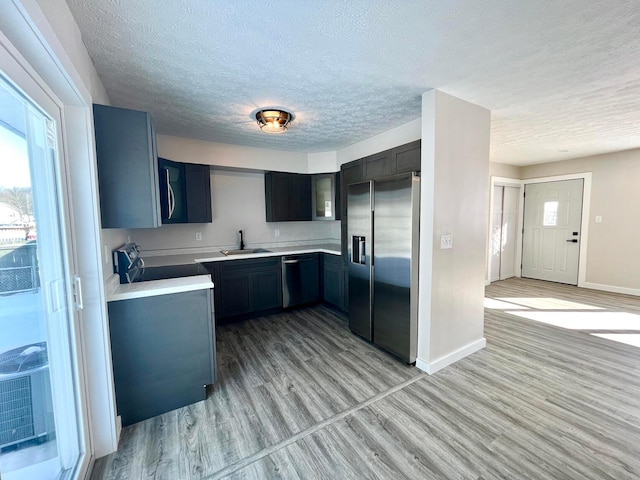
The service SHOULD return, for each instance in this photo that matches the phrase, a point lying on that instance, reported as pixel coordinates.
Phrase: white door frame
(584, 229)
(505, 182)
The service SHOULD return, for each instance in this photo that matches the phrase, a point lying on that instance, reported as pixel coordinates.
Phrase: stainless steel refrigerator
(383, 233)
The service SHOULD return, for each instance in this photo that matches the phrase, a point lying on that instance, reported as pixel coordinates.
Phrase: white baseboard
(611, 288)
(445, 361)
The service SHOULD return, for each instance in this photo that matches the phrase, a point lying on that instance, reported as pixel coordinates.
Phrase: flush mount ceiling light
(273, 121)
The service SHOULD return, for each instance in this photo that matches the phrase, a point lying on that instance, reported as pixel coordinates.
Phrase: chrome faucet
(241, 241)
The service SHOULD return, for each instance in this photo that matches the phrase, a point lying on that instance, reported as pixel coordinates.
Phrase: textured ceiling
(557, 75)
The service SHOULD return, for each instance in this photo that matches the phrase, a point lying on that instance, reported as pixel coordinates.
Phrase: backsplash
(237, 204)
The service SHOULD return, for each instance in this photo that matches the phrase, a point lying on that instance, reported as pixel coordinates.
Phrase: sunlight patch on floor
(494, 304)
(549, 303)
(632, 339)
(605, 321)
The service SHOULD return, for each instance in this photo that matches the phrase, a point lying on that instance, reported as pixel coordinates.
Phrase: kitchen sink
(245, 251)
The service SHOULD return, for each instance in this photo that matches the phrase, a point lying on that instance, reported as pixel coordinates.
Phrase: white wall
(68, 33)
(238, 203)
(613, 246)
(323, 162)
(225, 155)
(504, 170)
(454, 200)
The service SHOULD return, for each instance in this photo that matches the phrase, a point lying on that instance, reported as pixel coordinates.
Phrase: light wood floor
(300, 397)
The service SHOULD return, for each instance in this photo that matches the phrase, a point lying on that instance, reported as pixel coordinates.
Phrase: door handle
(573, 240)
(290, 261)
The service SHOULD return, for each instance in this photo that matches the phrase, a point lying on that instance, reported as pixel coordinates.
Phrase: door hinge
(77, 293)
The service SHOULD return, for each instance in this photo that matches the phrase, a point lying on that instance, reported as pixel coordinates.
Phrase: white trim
(450, 358)
(586, 212)
(506, 182)
(611, 288)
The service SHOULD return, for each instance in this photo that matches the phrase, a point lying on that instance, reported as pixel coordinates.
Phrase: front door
(551, 236)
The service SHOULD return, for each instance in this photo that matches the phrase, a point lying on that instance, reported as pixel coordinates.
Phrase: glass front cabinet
(324, 196)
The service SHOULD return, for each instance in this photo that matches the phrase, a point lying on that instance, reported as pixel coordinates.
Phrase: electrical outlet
(107, 254)
(276, 233)
(128, 238)
(198, 236)
(446, 241)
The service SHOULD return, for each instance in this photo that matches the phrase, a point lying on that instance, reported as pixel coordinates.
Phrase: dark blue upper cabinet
(185, 192)
(173, 201)
(127, 168)
(287, 197)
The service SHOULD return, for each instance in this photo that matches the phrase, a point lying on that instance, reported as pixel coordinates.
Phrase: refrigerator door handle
(362, 250)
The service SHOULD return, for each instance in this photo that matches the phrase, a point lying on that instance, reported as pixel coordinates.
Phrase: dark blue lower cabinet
(246, 286)
(163, 351)
(334, 282)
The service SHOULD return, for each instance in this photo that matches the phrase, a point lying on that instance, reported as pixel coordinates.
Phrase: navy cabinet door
(162, 349)
(277, 196)
(377, 166)
(127, 168)
(198, 190)
(235, 294)
(287, 197)
(333, 280)
(300, 205)
(406, 158)
(267, 290)
(173, 201)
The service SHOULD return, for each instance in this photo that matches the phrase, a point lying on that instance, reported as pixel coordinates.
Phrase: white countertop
(115, 291)
(216, 256)
(156, 287)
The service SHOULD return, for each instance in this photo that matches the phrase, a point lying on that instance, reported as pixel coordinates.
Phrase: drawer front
(249, 265)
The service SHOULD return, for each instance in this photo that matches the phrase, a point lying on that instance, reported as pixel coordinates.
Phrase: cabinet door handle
(573, 240)
(171, 199)
(290, 261)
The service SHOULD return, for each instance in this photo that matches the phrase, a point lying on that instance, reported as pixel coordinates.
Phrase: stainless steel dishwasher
(300, 280)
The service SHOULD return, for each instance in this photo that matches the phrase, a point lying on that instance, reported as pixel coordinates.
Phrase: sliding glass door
(41, 434)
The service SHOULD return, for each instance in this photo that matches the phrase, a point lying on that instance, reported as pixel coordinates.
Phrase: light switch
(446, 241)
(598, 218)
